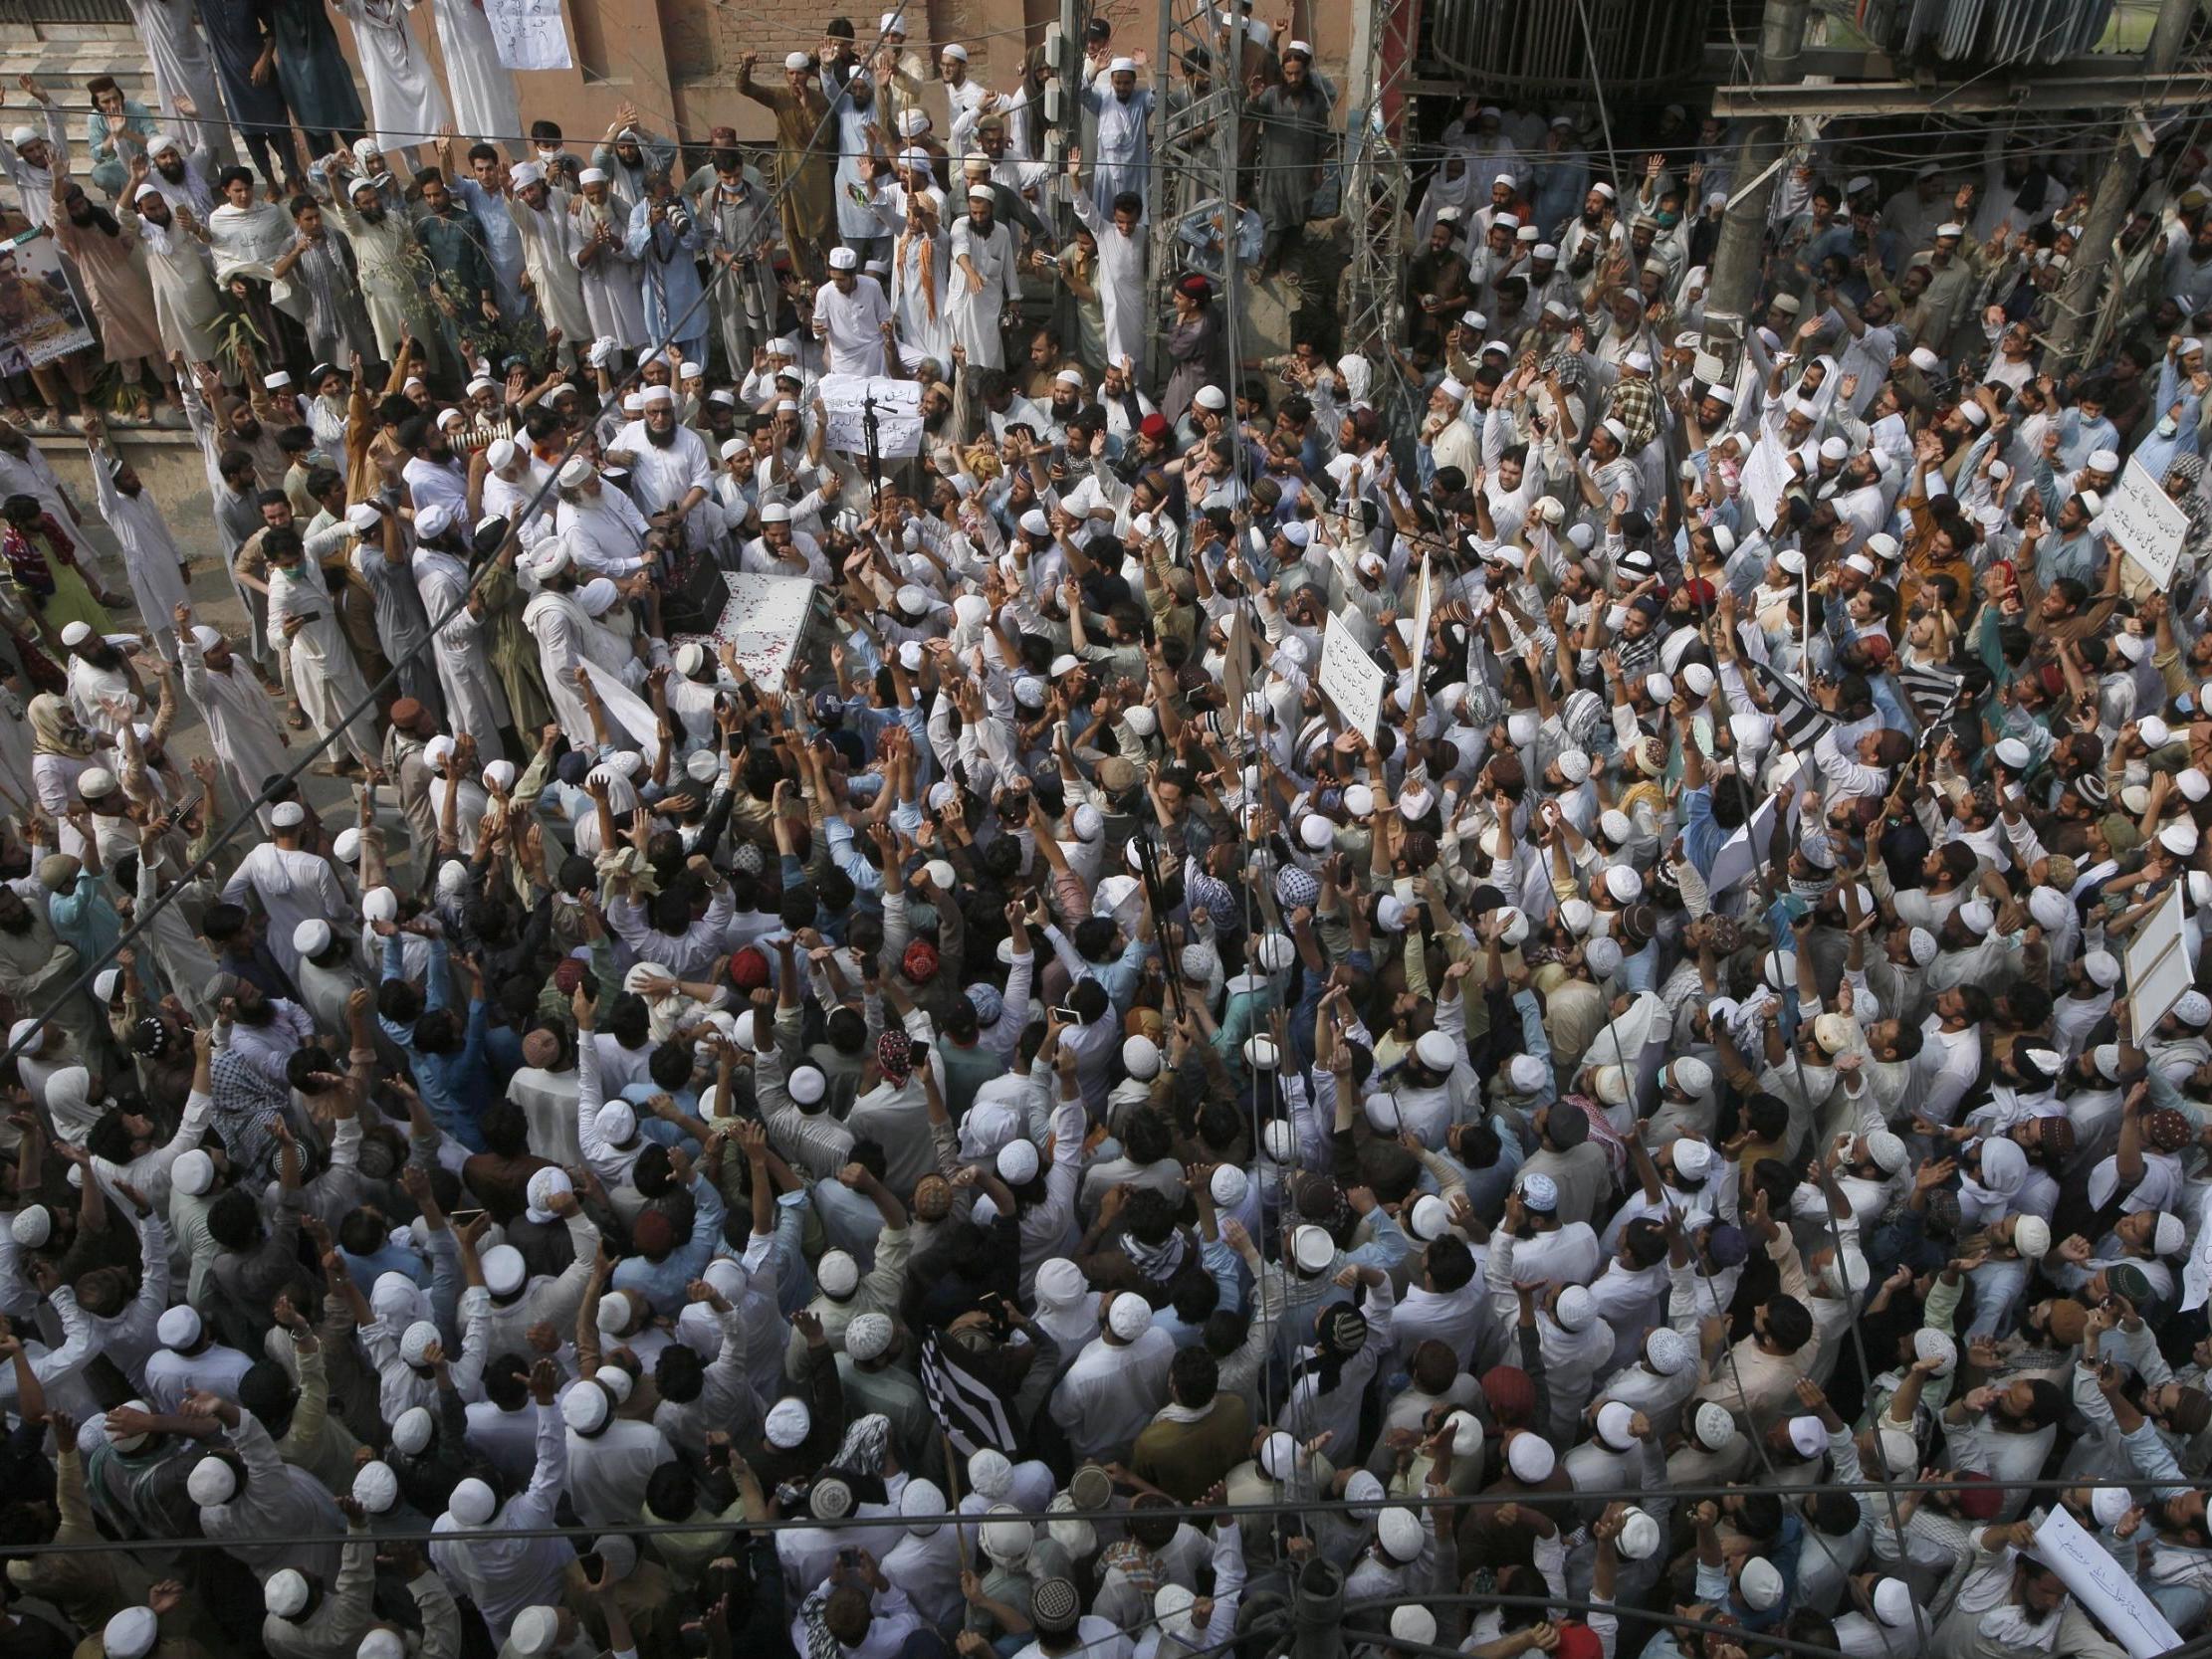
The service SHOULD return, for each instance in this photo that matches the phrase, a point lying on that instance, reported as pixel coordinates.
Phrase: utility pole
(2083, 297)
(1741, 255)
(1374, 200)
(1196, 102)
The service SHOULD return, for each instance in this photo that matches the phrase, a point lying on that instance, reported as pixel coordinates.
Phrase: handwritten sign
(1350, 679)
(898, 410)
(2144, 525)
(528, 34)
(2104, 1588)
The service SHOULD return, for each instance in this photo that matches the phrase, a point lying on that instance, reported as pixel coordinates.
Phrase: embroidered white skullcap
(1129, 1315)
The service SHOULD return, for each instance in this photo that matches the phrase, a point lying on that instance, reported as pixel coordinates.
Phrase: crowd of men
(1581, 1008)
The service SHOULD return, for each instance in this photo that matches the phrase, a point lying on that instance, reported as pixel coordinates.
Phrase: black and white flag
(1932, 694)
(971, 1412)
(1798, 720)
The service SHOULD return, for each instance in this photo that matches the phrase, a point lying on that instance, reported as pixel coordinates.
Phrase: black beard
(249, 432)
(17, 925)
(373, 214)
(659, 439)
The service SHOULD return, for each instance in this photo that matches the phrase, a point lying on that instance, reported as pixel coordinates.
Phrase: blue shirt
(456, 1087)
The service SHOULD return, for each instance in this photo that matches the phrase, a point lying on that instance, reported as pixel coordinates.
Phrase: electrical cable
(1179, 1512)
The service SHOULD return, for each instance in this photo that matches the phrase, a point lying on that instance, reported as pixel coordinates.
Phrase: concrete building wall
(676, 61)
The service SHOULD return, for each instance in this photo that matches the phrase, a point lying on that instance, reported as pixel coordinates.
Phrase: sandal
(296, 718)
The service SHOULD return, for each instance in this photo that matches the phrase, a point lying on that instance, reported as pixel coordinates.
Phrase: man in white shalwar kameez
(549, 239)
(482, 88)
(241, 727)
(512, 478)
(604, 530)
(405, 101)
(566, 638)
(291, 884)
(849, 316)
(1120, 237)
(504, 1575)
(1124, 117)
(151, 556)
(987, 282)
(920, 259)
(184, 74)
(613, 286)
(473, 701)
(304, 622)
(671, 470)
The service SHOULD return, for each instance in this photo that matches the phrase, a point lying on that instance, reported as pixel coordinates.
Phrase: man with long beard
(671, 471)
(387, 257)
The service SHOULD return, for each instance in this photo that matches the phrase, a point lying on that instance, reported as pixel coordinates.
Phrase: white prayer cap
(131, 1634)
(1668, 1350)
(584, 1406)
(981, 193)
(1401, 1533)
(288, 815)
(843, 259)
(787, 1424)
(956, 49)
(1834, 449)
(652, 397)
(211, 1482)
(450, 418)
(416, 1341)
(891, 24)
(797, 60)
(919, 1499)
(433, 521)
(808, 1085)
(161, 145)
(1759, 1583)
(1712, 1427)
(1614, 1425)
(776, 513)
(1893, 1597)
(473, 1502)
(1018, 1163)
(869, 1335)
(1413, 1623)
(1639, 362)
(1530, 1457)
(1121, 66)
(193, 1173)
(2103, 461)
(837, 1273)
(285, 1592)
(1639, 1538)
(1140, 1058)
(575, 471)
(1808, 1436)
(77, 633)
(735, 448)
(1129, 1315)
(178, 1327)
(1311, 1248)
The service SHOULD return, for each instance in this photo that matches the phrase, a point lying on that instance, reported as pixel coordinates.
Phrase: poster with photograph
(40, 318)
